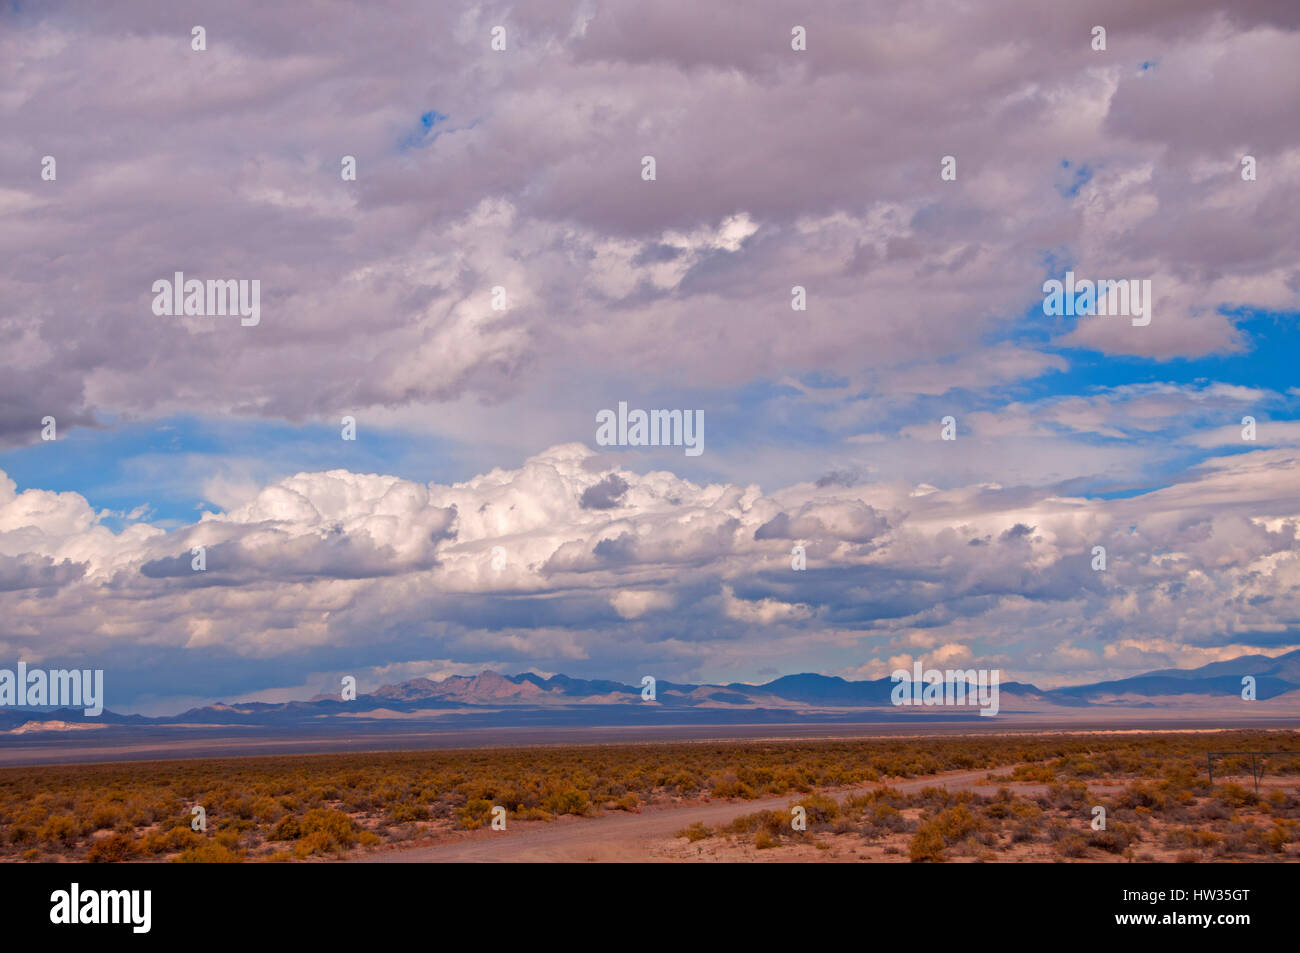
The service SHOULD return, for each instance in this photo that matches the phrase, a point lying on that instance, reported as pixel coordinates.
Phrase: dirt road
(617, 836)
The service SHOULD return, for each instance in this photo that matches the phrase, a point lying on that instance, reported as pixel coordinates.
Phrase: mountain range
(532, 699)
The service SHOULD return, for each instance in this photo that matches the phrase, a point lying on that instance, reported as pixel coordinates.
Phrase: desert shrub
(1022, 833)
(337, 826)
(1115, 839)
(288, 828)
(791, 779)
(568, 801)
(166, 842)
(474, 814)
(1234, 795)
(955, 823)
(209, 852)
(1187, 837)
(112, 849)
(1214, 811)
(59, 830)
(1277, 838)
(105, 817)
(888, 818)
(1039, 773)
(1141, 795)
(821, 810)
(315, 843)
(267, 810)
(997, 810)
(934, 796)
(408, 811)
(773, 822)
(628, 802)
(1233, 843)
(1072, 845)
(855, 805)
(927, 844)
(728, 785)
(1026, 810)
(1071, 794)
(696, 831)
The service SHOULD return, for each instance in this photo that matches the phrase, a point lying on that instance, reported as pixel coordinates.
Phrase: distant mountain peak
(486, 686)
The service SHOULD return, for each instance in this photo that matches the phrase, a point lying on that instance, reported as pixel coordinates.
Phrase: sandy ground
(617, 836)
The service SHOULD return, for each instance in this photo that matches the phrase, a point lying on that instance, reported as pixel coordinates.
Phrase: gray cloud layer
(776, 168)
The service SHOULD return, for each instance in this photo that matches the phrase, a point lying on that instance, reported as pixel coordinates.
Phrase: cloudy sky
(476, 427)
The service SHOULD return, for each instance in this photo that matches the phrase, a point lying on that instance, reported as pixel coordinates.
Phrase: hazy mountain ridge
(489, 690)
